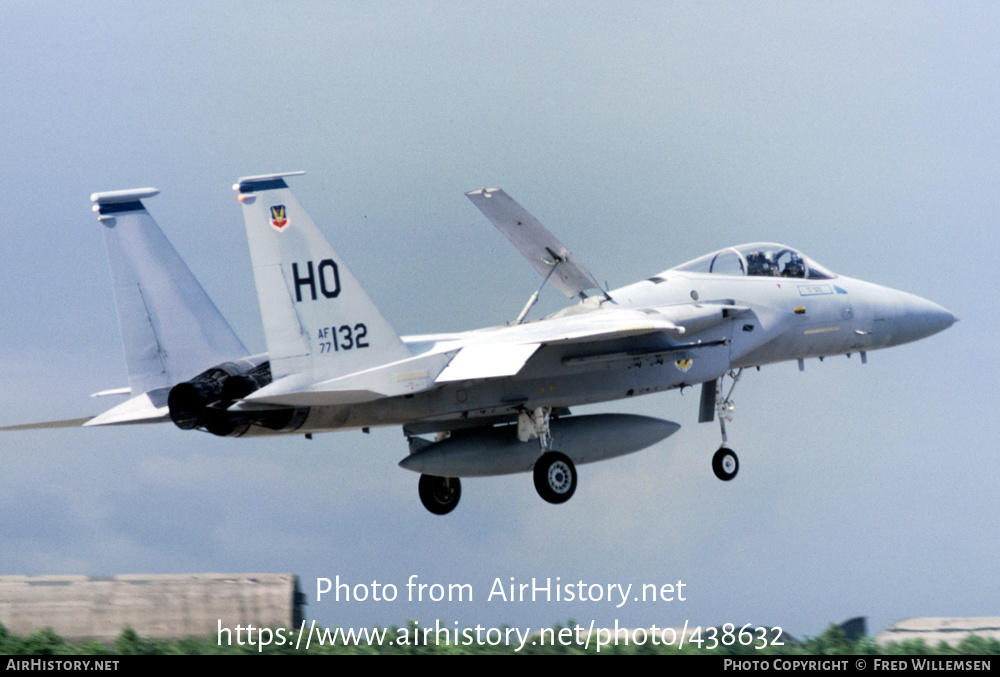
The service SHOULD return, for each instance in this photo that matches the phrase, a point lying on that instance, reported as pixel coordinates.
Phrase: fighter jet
(485, 402)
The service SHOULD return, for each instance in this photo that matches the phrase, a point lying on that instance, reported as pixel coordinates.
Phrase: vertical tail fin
(171, 329)
(317, 318)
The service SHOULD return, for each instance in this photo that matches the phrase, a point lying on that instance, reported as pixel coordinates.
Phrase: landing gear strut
(725, 463)
(554, 473)
(440, 494)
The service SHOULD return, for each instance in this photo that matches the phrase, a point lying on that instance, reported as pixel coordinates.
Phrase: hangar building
(936, 630)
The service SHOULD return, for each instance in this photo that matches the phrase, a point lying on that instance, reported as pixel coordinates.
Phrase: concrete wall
(155, 605)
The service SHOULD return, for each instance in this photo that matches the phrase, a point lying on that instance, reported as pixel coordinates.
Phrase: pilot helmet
(758, 263)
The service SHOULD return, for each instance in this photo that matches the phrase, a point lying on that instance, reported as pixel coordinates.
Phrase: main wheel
(555, 477)
(725, 464)
(439, 494)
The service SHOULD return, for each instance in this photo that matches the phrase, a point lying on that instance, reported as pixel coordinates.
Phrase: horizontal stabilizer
(149, 407)
(547, 254)
(64, 423)
(114, 391)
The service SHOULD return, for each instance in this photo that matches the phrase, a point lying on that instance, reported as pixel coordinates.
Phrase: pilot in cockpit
(795, 267)
(759, 263)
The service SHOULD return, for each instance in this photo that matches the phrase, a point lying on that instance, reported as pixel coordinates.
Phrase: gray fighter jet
(484, 402)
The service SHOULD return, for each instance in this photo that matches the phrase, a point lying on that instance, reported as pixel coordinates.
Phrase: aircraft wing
(484, 354)
(506, 351)
(498, 352)
(547, 254)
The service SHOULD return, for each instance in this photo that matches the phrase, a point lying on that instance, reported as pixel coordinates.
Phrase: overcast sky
(865, 134)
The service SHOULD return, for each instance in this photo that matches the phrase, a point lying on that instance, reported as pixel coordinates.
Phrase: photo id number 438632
(344, 337)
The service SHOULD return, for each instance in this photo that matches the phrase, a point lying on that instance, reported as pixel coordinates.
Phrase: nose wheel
(725, 464)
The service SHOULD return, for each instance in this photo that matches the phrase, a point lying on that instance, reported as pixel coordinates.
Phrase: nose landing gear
(725, 463)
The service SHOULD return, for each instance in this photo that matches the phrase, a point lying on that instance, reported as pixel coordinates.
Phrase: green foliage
(129, 643)
(45, 642)
(833, 642)
(974, 645)
(9, 644)
(911, 647)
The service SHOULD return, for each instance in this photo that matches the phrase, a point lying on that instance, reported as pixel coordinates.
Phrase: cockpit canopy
(760, 259)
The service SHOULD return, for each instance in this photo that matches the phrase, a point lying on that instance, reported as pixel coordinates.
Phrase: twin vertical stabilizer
(171, 329)
(318, 321)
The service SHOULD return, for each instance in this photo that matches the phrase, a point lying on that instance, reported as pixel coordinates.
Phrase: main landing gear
(554, 472)
(725, 463)
(440, 494)
(555, 477)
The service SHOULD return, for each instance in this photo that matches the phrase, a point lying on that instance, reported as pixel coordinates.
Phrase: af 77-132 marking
(495, 400)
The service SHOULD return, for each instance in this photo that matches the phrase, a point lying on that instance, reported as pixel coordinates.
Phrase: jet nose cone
(916, 318)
